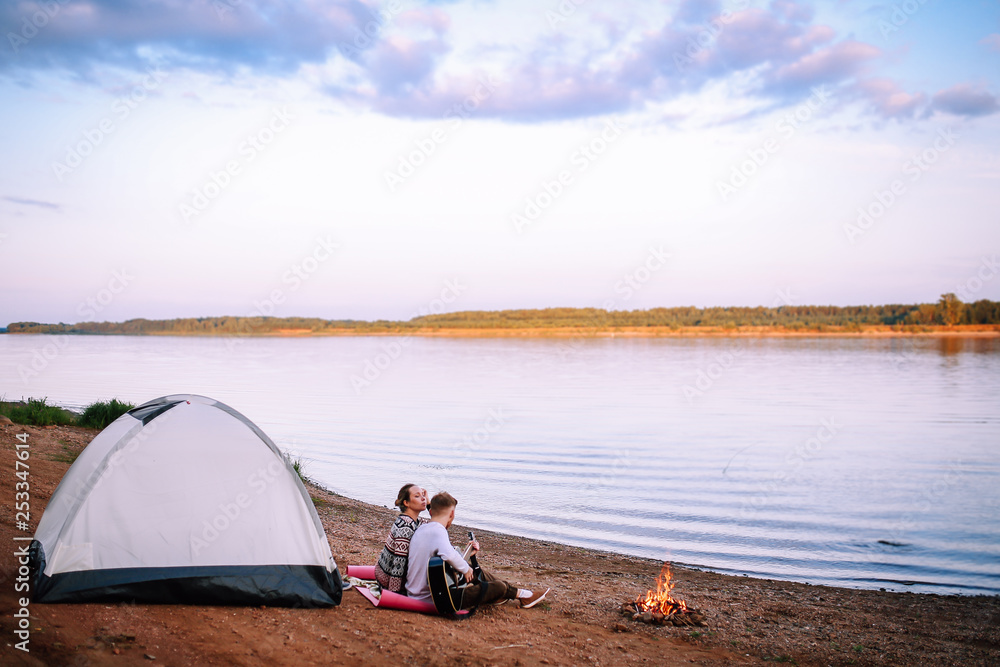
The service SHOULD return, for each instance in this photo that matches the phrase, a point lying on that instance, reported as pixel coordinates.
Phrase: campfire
(659, 607)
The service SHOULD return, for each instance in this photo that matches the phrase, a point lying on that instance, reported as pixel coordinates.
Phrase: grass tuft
(36, 412)
(68, 453)
(102, 413)
(297, 464)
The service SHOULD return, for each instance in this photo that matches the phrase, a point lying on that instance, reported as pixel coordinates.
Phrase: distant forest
(948, 311)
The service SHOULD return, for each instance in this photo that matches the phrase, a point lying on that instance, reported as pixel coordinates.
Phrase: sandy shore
(749, 621)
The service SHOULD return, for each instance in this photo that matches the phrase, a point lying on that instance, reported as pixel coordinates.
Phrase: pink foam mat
(388, 600)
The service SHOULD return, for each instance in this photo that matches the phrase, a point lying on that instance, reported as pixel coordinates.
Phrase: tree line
(947, 311)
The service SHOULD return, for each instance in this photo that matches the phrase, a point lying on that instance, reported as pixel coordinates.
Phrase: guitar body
(448, 588)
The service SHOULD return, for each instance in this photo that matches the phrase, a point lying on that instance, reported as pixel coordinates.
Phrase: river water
(860, 462)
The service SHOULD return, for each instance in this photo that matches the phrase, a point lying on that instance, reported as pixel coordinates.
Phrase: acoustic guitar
(449, 588)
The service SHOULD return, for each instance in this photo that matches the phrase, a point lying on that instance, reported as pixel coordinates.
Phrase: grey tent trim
(271, 585)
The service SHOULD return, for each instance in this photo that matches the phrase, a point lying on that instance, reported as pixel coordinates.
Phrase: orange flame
(660, 600)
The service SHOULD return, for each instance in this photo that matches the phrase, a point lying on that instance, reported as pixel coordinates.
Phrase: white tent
(183, 500)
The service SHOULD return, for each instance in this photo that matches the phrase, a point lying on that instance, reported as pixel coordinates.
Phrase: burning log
(660, 608)
(688, 618)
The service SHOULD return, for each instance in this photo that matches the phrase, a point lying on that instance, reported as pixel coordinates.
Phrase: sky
(380, 160)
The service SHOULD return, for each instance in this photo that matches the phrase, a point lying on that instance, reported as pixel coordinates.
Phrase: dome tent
(183, 500)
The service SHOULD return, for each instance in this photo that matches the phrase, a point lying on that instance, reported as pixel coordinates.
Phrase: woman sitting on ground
(390, 572)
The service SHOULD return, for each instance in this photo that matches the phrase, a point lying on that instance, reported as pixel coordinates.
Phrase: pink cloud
(755, 36)
(889, 100)
(834, 63)
(992, 41)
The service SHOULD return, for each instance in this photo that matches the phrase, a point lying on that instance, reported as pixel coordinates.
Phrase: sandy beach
(748, 621)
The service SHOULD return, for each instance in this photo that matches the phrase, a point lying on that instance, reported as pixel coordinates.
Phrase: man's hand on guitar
(475, 547)
(468, 576)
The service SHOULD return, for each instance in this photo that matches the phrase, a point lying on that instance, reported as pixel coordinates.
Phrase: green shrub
(102, 413)
(36, 412)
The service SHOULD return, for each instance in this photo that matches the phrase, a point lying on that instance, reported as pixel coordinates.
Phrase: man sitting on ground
(431, 539)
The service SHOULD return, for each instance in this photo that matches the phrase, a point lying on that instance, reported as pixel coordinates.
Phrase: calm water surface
(843, 461)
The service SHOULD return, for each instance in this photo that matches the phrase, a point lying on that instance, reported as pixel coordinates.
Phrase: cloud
(525, 95)
(965, 100)
(696, 48)
(32, 202)
(992, 41)
(399, 64)
(832, 64)
(793, 11)
(697, 11)
(210, 36)
(889, 100)
(755, 37)
(404, 64)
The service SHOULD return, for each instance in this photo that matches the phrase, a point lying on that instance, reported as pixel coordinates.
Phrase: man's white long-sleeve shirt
(430, 539)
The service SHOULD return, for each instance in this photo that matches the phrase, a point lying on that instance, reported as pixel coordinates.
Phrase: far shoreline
(936, 331)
